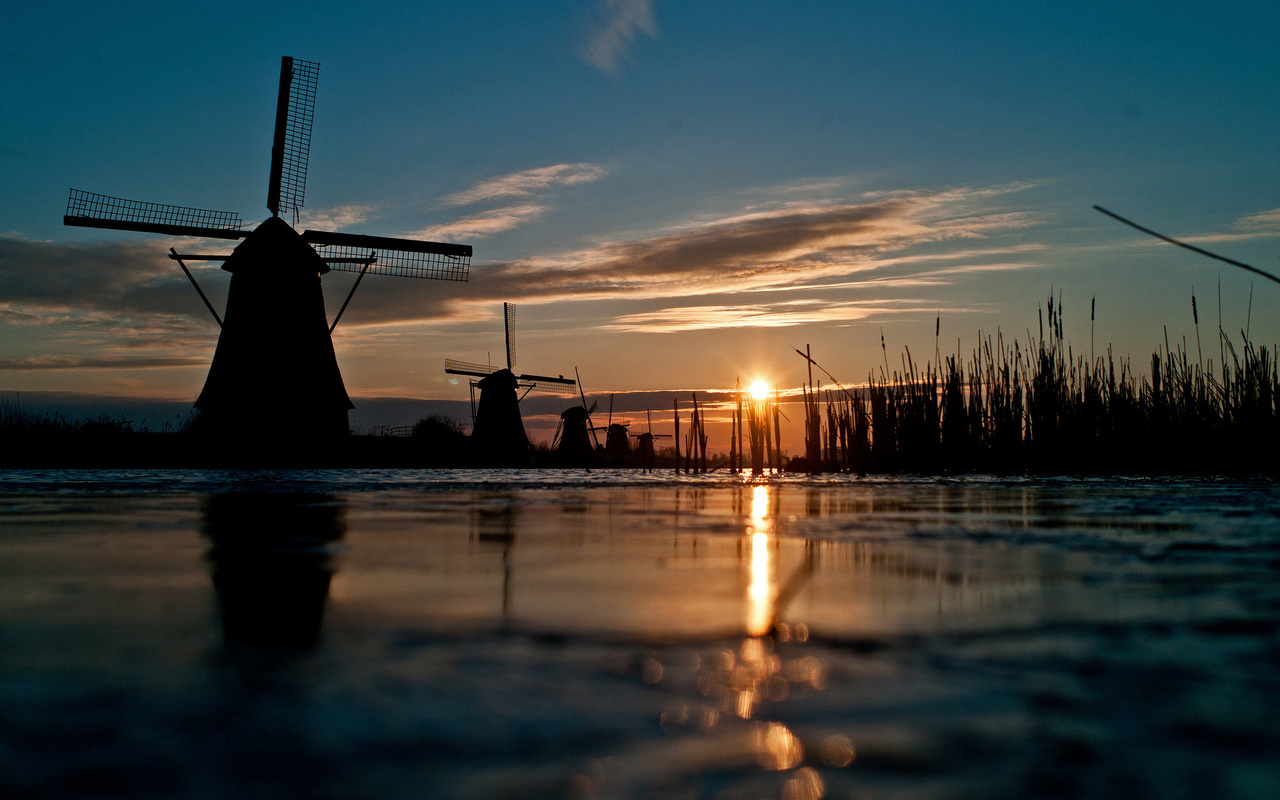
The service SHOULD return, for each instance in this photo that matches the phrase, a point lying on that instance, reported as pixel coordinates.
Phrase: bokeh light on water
(588, 635)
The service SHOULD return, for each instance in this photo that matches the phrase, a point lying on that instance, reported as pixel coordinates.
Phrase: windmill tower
(497, 428)
(275, 365)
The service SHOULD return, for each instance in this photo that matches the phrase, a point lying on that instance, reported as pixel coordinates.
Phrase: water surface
(563, 634)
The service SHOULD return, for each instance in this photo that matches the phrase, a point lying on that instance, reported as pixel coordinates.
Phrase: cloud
(100, 305)
(1268, 221)
(478, 226)
(792, 248)
(527, 182)
(1260, 225)
(613, 28)
(771, 315)
(74, 363)
(112, 276)
(336, 218)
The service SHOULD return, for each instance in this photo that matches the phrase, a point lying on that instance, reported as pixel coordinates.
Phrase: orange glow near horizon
(759, 390)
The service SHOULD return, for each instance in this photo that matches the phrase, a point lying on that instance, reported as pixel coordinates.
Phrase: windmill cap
(277, 247)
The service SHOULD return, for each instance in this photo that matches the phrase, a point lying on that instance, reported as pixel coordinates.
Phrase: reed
(1038, 407)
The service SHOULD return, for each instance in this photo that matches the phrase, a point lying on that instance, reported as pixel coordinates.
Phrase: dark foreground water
(410, 634)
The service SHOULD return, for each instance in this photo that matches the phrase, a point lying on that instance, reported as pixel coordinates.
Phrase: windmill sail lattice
(404, 258)
(91, 210)
(295, 110)
(509, 322)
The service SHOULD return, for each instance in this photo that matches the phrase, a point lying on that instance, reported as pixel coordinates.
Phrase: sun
(759, 390)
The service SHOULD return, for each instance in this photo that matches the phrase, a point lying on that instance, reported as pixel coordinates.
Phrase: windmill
(275, 360)
(497, 429)
(575, 432)
(617, 444)
(644, 443)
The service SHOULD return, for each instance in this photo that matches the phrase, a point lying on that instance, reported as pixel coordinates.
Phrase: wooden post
(733, 439)
(777, 431)
(757, 437)
(694, 426)
(702, 443)
(768, 436)
(675, 406)
(739, 426)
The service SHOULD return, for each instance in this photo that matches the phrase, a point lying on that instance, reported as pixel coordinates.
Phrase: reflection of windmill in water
(497, 428)
(275, 360)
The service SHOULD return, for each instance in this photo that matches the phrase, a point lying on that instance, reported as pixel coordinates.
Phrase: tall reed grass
(1039, 407)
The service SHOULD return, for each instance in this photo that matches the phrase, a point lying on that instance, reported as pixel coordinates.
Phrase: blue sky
(674, 194)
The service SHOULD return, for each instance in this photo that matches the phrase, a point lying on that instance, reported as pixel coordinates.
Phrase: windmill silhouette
(497, 429)
(645, 443)
(575, 433)
(275, 362)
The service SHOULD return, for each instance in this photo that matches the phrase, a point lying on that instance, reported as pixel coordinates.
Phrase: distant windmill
(575, 434)
(275, 364)
(497, 430)
(617, 444)
(644, 443)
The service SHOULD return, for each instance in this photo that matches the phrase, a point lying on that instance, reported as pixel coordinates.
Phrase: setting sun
(759, 391)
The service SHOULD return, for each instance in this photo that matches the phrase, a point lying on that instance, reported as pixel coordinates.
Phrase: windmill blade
(590, 411)
(90, 210)
(404, 258)
(509, 321)
(455, 367)
(546, 383)
(291, 146)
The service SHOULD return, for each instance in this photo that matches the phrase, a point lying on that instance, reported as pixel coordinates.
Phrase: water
(557, 634)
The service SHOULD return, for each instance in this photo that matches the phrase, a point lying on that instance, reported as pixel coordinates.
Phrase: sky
(674, 195)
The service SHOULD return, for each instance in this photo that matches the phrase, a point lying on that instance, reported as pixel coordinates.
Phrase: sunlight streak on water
(762, 589)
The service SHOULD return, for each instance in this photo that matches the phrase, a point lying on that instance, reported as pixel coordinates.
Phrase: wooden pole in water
(739, 426)
(695, 427)
(675, 406)
(702, 443)
(733, 440)
(757, 437)
(768, 435)
(697, 437)
(777, 431)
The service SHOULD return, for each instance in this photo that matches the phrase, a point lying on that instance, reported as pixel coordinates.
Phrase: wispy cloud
(336, 218)
(613, 28)
(486, 223)
(763, 315)
(1263, 221)
(73, 363)
(527, 182)
(816, 246)
(1259, 225)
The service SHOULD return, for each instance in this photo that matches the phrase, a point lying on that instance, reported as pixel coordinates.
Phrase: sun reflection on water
(761, 591)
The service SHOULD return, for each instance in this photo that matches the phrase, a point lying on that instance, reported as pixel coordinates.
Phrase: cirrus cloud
(527, 182)
(612, 30)
(478, 226)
